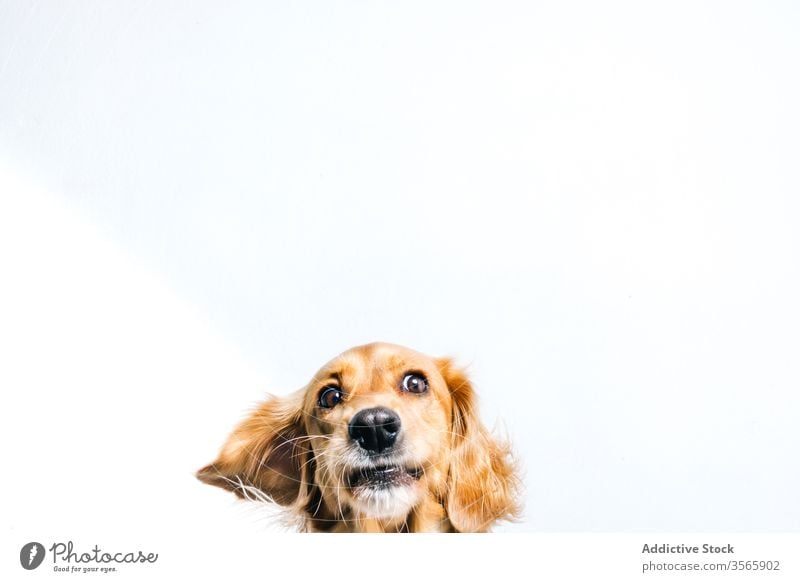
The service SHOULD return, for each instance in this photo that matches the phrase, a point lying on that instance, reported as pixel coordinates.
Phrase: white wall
(592, 204)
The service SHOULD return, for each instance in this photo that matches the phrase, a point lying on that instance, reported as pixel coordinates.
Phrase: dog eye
(330, 396)
(415, 383)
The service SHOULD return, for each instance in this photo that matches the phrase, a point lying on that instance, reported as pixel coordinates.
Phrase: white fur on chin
(393, 502)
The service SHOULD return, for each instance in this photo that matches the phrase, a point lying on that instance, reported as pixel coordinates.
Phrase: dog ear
(483, 486)
(265, 457)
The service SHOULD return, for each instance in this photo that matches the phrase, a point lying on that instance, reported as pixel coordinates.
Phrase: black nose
(375, 429)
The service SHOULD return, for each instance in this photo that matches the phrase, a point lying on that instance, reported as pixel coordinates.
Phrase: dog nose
(375, 429)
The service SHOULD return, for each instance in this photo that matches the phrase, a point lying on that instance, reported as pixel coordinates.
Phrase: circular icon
(31, 555)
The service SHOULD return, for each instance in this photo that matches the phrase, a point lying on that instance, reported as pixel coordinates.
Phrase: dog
(383, 439)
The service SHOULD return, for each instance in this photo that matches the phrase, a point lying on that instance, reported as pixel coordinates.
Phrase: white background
(593, 205)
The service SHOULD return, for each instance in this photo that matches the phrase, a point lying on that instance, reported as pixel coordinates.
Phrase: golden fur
(298, 453)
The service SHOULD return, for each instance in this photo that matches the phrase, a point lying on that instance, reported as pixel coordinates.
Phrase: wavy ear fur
(483, 484)
(267, 455)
